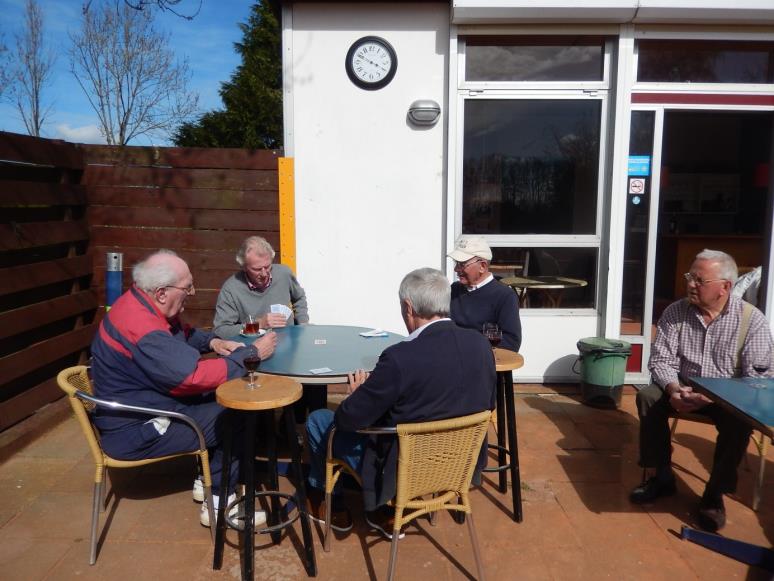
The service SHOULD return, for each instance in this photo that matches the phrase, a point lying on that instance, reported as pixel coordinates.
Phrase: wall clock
(371, 63)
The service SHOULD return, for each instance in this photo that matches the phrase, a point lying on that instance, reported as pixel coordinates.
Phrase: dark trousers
(654, 410)
(144, 441)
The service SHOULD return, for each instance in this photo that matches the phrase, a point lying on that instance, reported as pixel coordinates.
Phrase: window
(530, 166)
(531, 145)
(704, 61)
(562, 58)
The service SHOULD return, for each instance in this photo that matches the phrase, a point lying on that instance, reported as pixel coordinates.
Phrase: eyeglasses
(188, 290)
(464, 265)
(260, 269)
(692, 278)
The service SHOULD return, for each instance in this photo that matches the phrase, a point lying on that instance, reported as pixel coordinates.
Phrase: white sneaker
(198, 490)
(204, 514)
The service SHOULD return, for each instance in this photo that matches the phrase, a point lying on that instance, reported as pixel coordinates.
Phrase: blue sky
(207, 41)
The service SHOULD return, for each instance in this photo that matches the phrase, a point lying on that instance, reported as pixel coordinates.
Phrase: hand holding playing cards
(273, 321)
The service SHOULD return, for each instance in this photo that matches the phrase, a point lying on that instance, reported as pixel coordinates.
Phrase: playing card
(281, 309)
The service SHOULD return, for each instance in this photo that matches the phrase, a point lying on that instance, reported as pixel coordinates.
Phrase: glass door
(697, 179)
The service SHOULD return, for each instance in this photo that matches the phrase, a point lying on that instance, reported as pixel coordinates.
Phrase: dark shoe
(341, 519)
(652, 489)
(712, 514)
(383, 520)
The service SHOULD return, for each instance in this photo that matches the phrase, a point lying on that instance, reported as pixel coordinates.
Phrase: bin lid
(592, 344)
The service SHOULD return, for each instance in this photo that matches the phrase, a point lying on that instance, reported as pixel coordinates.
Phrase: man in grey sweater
(254, 289)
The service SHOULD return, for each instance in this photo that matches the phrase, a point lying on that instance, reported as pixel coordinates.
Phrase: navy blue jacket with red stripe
(141, 358)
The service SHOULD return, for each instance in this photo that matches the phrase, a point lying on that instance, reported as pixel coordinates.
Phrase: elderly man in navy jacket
(440, 371)
(144, 355)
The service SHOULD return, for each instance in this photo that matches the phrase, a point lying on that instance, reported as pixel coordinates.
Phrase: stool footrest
(291, 516)
(499, 467)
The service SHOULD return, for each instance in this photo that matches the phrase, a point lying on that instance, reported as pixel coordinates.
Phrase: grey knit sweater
(236, 300)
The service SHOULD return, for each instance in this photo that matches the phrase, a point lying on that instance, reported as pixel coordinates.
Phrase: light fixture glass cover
(424, 112)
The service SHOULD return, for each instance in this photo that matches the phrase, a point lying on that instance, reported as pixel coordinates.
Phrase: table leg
(220, 523)
(271, 456)
(310, 562)
(248, 469)
(513, 447)
(501, 454)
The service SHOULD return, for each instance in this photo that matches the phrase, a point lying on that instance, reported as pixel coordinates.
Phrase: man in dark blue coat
(477, 297)
(440, 371)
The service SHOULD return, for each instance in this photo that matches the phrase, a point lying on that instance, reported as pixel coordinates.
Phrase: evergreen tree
(252, 116)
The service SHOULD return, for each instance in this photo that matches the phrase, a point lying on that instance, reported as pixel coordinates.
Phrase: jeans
(347, 446)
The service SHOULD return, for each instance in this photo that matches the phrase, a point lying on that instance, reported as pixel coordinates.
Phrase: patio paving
(578, 464)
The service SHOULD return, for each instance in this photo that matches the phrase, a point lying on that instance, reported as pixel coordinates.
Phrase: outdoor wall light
(424, 112)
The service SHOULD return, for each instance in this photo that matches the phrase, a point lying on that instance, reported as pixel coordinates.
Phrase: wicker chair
(75, 382)
(435, 459)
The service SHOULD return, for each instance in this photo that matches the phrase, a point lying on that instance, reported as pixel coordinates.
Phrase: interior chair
(436, 461)
(760, 440)
(75, 382)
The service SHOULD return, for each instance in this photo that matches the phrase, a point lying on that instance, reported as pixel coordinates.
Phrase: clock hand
(375, 64)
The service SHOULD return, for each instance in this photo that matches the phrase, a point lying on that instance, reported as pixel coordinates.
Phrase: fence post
(114, 277)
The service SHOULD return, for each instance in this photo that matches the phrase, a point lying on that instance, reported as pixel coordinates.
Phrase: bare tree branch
(168, 5)
(32, 71)
(129, 74)
(5, 66)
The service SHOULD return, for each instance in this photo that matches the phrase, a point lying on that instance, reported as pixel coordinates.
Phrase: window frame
(528, 90)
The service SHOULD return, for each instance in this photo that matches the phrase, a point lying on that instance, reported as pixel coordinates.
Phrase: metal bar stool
(274, 392)
(505, 362)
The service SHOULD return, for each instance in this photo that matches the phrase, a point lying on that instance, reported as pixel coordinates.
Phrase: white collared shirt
(415, 333)
(486, 281)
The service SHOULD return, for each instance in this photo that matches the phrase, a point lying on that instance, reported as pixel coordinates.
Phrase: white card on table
(320, 370)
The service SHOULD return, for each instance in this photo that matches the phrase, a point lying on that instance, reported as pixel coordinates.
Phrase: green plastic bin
(602, 370)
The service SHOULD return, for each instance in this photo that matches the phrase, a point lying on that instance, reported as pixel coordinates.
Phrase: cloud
(84, 134)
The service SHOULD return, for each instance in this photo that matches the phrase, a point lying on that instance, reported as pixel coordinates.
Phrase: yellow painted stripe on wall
(287, 212)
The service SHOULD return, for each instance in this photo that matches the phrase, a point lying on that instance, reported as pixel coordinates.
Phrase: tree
(252, 116)
(32, 71)
(169, 5)
(129, 74)
(5, 64)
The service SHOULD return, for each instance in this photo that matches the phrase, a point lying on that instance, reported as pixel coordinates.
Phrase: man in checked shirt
(698, 336)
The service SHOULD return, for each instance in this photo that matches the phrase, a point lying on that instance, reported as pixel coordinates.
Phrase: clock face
(371, 62)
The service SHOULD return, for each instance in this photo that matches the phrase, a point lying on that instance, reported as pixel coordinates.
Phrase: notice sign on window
(636, 186)
(639, 165)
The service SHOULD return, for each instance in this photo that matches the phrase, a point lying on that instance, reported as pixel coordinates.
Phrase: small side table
(274, 392)
(505, 362)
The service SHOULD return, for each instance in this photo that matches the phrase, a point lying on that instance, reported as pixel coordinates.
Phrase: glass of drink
(252, 326)
(493, 333)
(251, 365)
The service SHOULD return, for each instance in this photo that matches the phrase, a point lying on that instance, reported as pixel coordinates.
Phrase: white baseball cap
(467, 247)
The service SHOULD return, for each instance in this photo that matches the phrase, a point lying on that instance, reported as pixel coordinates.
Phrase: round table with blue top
(323, 354)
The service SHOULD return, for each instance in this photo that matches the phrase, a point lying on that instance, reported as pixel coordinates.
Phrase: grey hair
(726, 263)
(428, 290)
(148, 276)
(257, 244)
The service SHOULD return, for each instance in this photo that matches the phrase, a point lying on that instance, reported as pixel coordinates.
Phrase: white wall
(370, 199)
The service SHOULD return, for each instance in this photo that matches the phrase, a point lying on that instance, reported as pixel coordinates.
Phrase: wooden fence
(47, 309)
(201, 203)
(64, 206)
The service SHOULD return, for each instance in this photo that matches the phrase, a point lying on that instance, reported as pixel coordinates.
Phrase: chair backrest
(439, 456)
(72, 380)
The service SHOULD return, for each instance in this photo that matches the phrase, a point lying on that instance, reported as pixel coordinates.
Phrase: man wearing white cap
(478, 298)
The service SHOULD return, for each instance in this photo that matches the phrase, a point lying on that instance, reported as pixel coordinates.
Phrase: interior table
(505, 362)
(752, 399)
(551, 287)
(273, 393)
(323, 354)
